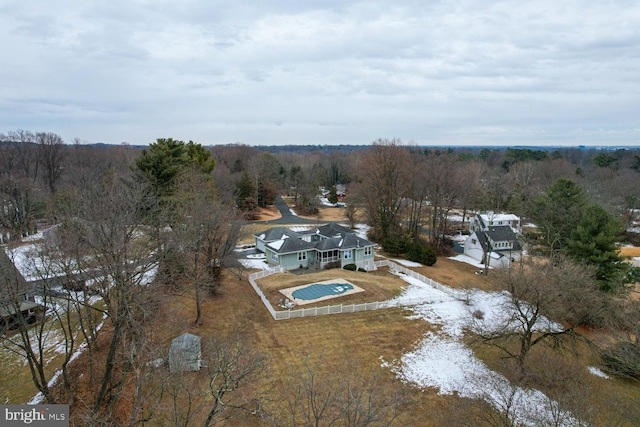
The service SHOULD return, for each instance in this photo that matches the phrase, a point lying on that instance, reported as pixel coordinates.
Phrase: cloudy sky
(553, 72)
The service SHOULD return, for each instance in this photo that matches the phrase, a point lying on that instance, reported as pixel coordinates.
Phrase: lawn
(15, 377)
(378, 285)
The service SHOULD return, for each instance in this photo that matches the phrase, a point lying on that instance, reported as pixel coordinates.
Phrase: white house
(497, 246)
(482, 221)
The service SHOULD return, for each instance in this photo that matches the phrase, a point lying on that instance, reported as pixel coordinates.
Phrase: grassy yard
(15, 377)
(367, 338)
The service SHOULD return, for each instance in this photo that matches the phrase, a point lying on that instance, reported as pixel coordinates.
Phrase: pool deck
(288, 292)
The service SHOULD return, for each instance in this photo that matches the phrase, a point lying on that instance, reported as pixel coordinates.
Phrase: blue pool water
(318, 290)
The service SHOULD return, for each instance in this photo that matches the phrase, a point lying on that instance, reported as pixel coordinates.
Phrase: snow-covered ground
(257, 261)
(444, 362)
(407, 263)
(468, 260)
(30, 262)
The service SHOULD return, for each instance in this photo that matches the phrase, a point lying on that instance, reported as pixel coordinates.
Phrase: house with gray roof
(497, 246)
(482, 221)
(315, 248)
(17, 302)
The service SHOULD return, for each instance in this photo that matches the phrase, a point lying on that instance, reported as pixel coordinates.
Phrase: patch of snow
(325, 202)
(443, 361)
(361, 230)
(468, 260)
(30, 262)
(530, 225)
(634, 230)
(460, 238)
(149, 275)
(259, 264)
(39, 397)
(597, 372)
(277, 244)
(407, 263)
(293, 212)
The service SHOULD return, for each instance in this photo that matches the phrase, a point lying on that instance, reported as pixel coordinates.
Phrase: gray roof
(337, 242)
(12, 285)
(276, 233)
(10, 309)
(185, 353)
(290, 245)
(498, 233)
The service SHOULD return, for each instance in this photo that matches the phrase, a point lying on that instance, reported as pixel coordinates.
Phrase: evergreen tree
(594, 242)
(558, 211)
(333, 195)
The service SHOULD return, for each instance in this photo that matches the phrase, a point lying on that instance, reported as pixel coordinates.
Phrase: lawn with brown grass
(364, 337)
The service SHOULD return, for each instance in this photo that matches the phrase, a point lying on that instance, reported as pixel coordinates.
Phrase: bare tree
(443, 185)
(109, 224)
(51, 155)
(18, 208)
(209, 233)
(233, 366)
(544, 303)
(345, 396)
(384, 182)
(26, 150)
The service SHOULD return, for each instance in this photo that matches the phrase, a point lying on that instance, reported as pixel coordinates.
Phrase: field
(374, 341)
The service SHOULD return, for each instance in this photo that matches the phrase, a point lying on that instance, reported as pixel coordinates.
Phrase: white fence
(349, 308)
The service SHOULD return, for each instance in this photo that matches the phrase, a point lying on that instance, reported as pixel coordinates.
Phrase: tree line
(175, 209)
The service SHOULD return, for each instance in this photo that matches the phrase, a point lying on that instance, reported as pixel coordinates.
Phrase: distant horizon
(545, 147)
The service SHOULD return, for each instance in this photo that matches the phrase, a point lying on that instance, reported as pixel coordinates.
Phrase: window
(348, 254)
(302, 256)
(474, 241)
(274, 257)
(368, 250)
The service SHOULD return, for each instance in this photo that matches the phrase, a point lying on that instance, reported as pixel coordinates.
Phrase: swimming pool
(319, 290)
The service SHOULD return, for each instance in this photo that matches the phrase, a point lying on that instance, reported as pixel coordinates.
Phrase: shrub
(633, 275)
(330, 265)
(622, 360)
(478, 314)
(396, 244)
(423, 254)
(350, 267)
(362, 269)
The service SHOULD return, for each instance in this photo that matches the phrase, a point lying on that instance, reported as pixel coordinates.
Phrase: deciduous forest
(137, 245)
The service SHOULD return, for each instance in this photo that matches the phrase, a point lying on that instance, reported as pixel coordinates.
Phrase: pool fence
(349, 308)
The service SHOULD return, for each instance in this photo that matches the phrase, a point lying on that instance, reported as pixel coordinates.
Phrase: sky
(459, 72)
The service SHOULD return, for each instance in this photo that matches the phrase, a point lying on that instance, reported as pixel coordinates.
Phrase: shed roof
(185, 353)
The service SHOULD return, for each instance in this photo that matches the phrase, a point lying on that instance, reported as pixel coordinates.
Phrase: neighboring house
(497, 246)
(482, 221)
(340, 192)
(315, 248)
(15, 296)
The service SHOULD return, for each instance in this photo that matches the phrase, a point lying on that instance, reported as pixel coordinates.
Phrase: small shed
(185, 353)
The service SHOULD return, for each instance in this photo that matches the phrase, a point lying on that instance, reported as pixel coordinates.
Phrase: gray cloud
(271, 72)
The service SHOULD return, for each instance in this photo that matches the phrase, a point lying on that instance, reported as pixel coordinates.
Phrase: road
(288, 217)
